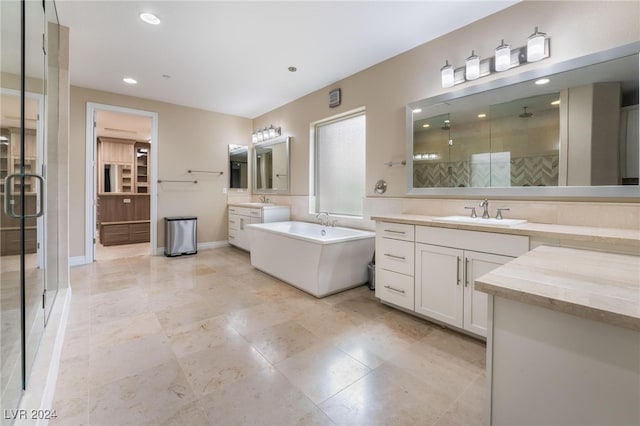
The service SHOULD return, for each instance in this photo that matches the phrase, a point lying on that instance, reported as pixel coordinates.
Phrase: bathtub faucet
(323, 218)
(264, 199)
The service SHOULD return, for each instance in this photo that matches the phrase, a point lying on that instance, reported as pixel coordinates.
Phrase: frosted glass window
(340, 166)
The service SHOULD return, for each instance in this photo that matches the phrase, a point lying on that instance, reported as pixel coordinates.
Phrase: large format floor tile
(209, 340)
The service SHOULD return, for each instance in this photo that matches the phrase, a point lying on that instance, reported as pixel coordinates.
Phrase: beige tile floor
(208, 340)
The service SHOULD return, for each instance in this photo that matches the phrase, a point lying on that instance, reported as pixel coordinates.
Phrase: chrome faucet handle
(485, 203)
(473, 211)
(499, 214)
(333, 223)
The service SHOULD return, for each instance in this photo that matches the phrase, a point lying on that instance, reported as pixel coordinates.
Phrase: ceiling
(233, 57)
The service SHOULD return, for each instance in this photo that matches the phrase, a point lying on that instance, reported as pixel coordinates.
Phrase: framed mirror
(117, 178)
(568, 130)
(238, 166)
(271, 166)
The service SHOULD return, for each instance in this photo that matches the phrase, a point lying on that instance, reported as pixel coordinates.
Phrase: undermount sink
(466, 220)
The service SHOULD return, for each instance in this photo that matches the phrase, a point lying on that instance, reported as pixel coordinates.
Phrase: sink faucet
(323, 217)
(485, 203)
(264, 199)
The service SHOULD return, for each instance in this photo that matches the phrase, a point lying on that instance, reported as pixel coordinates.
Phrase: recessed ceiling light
(130, 80)
(417, 110)
(292, 69)
(557, 102)
(150, 18)
(482, 115)
(426, 125)
(542, 81)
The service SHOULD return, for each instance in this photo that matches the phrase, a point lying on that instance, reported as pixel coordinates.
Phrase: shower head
(525, 113)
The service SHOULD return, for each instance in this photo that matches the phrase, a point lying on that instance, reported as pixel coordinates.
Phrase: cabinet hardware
(232, 221)
(458, 270)
(466, 272)
(394, 232)
(394, 289)
(242, 224)
(395, 257)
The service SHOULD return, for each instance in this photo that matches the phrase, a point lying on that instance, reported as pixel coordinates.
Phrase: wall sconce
(505, 58)
(472, 67)
(426, 156)
(266, 134)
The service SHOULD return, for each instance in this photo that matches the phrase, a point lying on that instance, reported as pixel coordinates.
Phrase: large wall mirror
(570, 130)
(238, 166)
(271, 166)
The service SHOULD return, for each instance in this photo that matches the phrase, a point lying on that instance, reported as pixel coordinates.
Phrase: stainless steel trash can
(180, 235)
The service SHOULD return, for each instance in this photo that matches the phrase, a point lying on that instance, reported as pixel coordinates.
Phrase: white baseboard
(78, 260)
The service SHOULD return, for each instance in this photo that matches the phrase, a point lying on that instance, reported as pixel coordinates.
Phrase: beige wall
(576, 28)
(188, 139)
(192, 138)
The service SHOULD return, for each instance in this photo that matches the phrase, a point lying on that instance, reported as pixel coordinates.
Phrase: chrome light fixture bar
(266, 134)
(537, 48)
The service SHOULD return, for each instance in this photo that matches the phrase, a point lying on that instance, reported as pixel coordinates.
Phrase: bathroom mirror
(238, 166)
(271, 166)
(575, 136)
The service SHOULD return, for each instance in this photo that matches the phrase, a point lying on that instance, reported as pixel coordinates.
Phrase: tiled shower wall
(524, 171)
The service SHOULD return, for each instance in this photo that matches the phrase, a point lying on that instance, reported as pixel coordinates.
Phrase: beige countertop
(589, 284)
(628, 237)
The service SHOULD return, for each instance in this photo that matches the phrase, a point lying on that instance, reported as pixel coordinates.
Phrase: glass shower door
(28, 219)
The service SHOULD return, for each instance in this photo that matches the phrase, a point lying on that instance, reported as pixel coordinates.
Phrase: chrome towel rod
(178, 181)
(395, 163)
(204, 171)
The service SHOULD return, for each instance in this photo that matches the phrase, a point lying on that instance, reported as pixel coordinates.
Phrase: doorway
(121, 182)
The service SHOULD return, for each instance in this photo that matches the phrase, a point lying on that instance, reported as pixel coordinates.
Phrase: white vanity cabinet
(395, 264)
(240, 216)
(448, 261)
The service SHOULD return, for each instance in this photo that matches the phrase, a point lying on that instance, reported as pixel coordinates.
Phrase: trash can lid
(171, 218)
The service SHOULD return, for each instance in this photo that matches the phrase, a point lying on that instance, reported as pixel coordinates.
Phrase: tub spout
(323, 218)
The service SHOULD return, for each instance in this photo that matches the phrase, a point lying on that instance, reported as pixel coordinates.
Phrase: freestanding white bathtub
(320, 260)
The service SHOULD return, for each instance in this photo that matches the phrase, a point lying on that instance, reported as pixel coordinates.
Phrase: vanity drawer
(397, 231)
(395, 255)
(255, 213)
(234, 221)
(241, 211)
(395, 288)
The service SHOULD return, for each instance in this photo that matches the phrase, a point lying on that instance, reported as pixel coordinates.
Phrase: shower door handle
(9, 206)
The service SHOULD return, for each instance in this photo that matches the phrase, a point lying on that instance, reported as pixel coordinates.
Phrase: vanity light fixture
(266, 134)
(446, 74)
(426, 126)
(472, 66)
(556, 102)
(130, 80)
(149, 18)
(535, 46)
(482, 115)
(503, 57)
(417, 110)
(542, 81)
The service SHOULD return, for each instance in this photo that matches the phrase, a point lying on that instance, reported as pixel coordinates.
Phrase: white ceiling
(232, 57)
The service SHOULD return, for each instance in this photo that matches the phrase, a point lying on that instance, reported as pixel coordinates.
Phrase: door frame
(91, 176)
